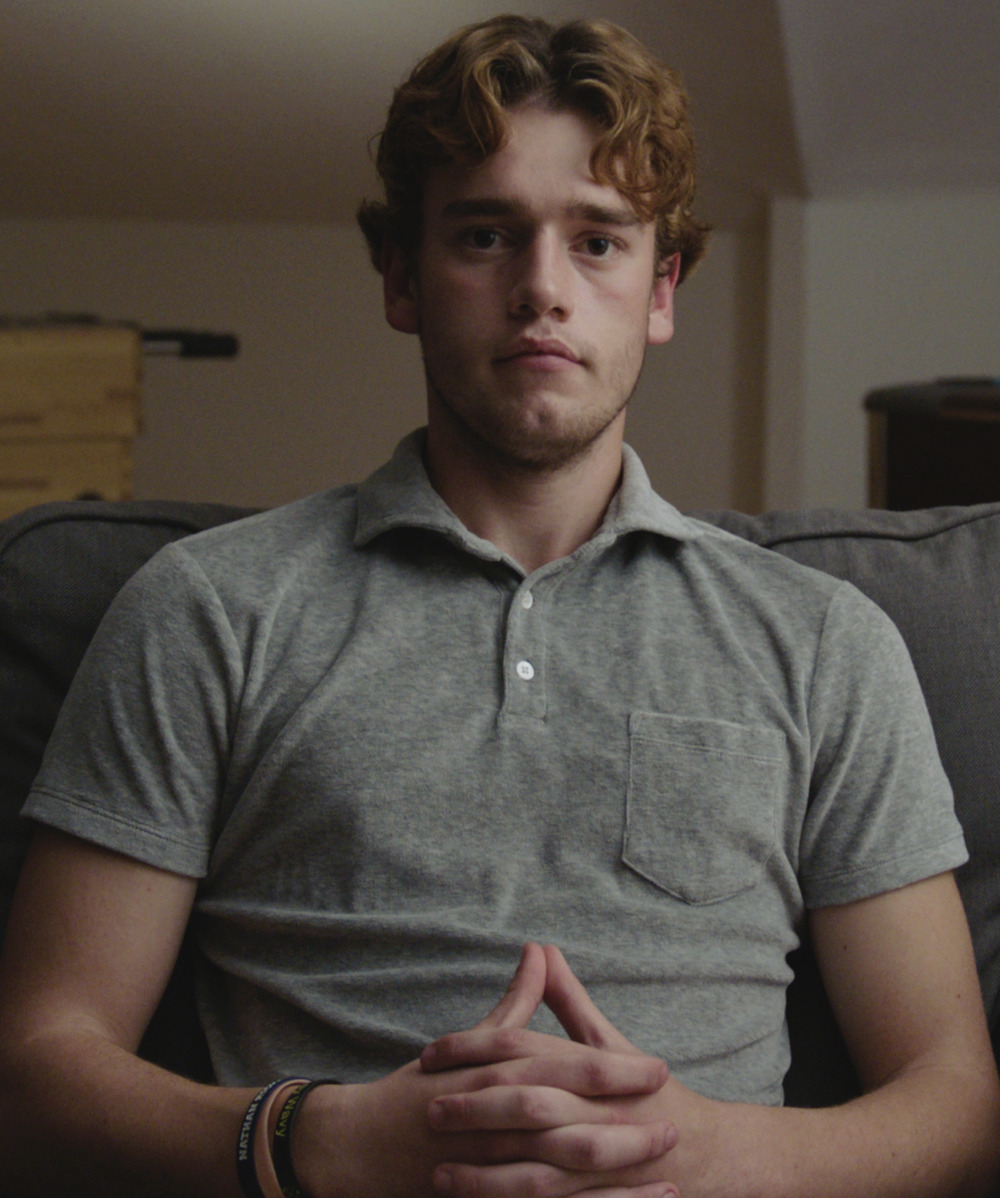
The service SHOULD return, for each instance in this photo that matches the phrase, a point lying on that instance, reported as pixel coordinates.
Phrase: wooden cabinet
(934, 444)
(69, 411)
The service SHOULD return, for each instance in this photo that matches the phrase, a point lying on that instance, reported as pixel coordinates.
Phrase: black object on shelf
(934, 444)
(181, 343)
(187, 344)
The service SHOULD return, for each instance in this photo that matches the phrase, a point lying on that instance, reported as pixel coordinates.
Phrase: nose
(542, 284)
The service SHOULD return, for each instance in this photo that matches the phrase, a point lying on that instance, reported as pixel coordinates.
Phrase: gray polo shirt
(391, 758)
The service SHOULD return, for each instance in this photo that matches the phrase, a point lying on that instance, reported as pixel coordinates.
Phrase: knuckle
(650, 1145)
(589, 1155)
(509, 1040)
(533, 1107)
(471, 1185)
(662, 1140)
(542, 1183)
(485, 1076)
(595, 1075)
(657, 1072)
(444, 1046)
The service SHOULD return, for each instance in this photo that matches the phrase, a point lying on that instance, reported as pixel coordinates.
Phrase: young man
(497, 694)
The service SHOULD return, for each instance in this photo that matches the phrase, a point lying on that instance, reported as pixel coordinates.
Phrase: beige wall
(322, 388)
(867, 293)
(756, 403)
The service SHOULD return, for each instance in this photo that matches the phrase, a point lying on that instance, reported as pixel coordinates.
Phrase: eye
(599, 247)
(481, 239)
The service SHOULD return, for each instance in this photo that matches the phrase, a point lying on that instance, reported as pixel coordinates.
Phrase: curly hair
(452, 109)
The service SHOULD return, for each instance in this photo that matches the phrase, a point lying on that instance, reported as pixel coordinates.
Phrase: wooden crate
(41, 471)
(69, 380)
(69, 410)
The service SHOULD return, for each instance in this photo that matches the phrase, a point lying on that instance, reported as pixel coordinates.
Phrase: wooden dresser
(69, 411)
(934, 444)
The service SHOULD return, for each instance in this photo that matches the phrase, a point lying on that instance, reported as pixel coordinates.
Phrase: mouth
(541, 352)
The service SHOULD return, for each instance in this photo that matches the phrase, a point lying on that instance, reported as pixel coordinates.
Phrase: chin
(533, 432)
(539, 448)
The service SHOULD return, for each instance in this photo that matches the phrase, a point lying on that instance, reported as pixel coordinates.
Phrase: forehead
(542, 168)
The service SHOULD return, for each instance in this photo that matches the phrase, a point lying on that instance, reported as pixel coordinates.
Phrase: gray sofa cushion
(936, 573)
(60, 566)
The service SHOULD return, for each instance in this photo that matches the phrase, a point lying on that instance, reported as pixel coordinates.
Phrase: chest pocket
(701, 805)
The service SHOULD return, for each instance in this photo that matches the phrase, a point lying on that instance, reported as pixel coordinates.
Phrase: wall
(323, 389)
(865, 293)
(861, 293)
(319, 390)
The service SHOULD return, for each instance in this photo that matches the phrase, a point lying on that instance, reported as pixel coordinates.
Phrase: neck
(533, 515)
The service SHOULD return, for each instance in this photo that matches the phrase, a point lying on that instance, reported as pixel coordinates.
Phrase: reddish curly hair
(452, 109)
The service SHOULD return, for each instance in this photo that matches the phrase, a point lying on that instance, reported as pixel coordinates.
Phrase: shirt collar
(399, 495)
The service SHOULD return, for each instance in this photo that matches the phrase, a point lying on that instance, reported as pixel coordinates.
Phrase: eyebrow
(601, 214)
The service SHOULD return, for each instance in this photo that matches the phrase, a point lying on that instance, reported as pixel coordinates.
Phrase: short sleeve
(880, 812)
(137, 759)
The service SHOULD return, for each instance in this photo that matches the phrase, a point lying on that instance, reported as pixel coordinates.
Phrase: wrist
(254, 1166)
(321, 1140)
(264, 1159)
(727, 1149)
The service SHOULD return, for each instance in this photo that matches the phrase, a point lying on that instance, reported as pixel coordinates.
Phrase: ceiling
(262, 109)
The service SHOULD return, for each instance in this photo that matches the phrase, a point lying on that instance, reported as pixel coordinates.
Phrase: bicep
(901, 977)
(91, 941)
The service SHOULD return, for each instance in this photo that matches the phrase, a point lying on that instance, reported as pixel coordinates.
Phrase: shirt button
(525, 670)
(527, 601)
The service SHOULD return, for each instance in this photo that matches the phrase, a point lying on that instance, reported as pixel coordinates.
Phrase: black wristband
(246, 1170)
(281, 1145)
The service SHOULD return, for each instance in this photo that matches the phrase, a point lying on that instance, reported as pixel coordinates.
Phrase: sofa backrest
(61, 564)
(936, 573)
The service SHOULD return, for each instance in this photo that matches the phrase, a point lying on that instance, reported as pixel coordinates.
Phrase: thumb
(573, 1007)
(524, 994)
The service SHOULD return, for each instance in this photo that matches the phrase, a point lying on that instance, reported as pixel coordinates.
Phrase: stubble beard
(502, 435)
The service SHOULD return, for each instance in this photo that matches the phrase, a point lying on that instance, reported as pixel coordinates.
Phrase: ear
(399, 291)
(661, 304)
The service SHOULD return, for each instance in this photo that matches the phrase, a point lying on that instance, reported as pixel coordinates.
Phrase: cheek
(624, 310)
(454, 296)
(624, 291)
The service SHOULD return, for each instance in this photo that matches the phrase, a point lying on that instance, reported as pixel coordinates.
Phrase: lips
(541, 348)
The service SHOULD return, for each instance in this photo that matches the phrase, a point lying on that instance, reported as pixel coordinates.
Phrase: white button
(525, 670)
(527, 601)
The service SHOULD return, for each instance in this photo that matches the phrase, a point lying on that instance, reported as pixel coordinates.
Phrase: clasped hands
(551, 1116)
(501, 1111)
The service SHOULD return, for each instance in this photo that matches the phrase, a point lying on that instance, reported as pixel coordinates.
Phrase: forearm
(929, 1133)
(81, 1115)
(90, 943)
(900, 974)
(931, 1129)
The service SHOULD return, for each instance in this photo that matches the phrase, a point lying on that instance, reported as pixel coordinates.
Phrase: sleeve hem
(881, 876)
(148, 844)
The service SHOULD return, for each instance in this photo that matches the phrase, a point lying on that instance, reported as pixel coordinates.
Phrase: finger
(524, 994)
(545, 1061)
(515, 1108)
(592, 1150)
(522, 1178)
(519, 1003)
(554, 1127)
(569, 1001)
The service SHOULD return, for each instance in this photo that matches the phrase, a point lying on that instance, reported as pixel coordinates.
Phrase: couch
(936, 573)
